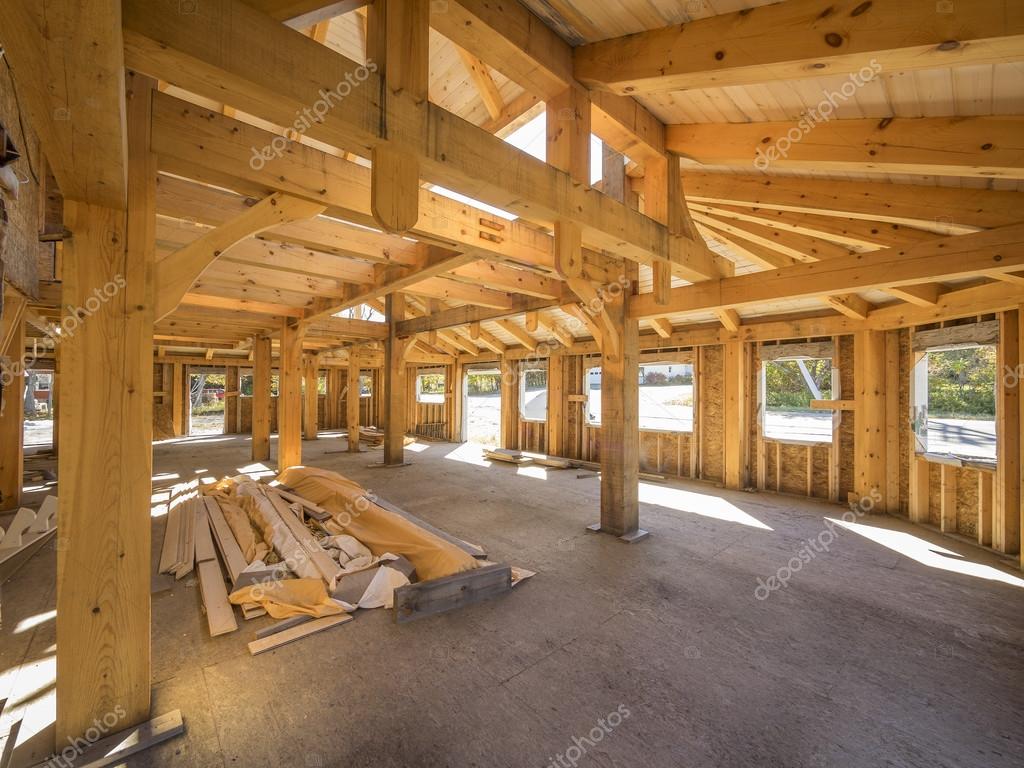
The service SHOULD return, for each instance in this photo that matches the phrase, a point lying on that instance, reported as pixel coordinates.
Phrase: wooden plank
(116, 748)
(220, 616)
(306, 629)
(226, 541)
(788, 41)
(430, 598)
(283, 624)
(329, 569)
(203, 536)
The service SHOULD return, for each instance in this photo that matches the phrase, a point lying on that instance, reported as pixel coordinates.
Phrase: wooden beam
(735, 373)
(850, 304)
(661, 325)
(450, 318)
(729, 318)
(803, 38)
(289, 398)
(395, 378)
(518, 333)
(305, 13)
(943, 210)
(177, 273)
(484, 82)
(568, 133)
(213, 51)
(478, 334)
(68, 61)
(105, 465)
(985, 146)
(983, 253)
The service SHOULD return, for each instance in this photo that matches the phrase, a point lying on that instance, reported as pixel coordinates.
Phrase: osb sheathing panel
(846, 426)
(245, 415)
(967, 502)
(793, 459)
(23, 254)
(934, 493)
(712, 425)
(770, 467)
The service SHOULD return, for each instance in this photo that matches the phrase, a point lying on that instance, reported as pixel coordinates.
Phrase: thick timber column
(398, 44)
(735, 386)
(311, 417)
(103, 561)
(12, 412)
(395, 379)
(1006, 517)
(620, 421)
(261, 399)
(869, 438)
(352, 403)
(289, 398)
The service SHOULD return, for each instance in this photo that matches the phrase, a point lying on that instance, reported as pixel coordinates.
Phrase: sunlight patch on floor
(702, 504)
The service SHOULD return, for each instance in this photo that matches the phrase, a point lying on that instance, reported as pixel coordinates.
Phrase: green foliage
(432, 384)
(535, 379)
(484, 383)
(786, 389)
(962, 383)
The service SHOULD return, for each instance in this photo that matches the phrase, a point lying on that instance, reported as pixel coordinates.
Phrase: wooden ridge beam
(804, 38)
(450, 318)
(983, 253)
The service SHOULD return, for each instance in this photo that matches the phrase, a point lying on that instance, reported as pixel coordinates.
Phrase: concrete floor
(873, 655)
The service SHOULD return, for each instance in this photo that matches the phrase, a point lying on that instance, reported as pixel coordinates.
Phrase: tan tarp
(244, 518)
(289, 597)
(380, 530)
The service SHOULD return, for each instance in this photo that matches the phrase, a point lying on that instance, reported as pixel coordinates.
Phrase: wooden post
(395, 380)
(870, 418)
(892, 420)
(12, 411)
(1007, 512)
(556, 403)
(231, 400)
(55, 401)
(103, 553)
(458, 387)
(918, 480)
(289, 399)
(178, 421)
(311, 376)
(352, 402)
(509, 418)
(734, 414)
(568, 133)
(261, 399)
(620, 422)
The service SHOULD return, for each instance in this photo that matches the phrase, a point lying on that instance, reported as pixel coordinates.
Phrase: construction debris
(25, 535)
(311, 548)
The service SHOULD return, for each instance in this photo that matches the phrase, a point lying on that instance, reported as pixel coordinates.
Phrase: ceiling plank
(798, 39)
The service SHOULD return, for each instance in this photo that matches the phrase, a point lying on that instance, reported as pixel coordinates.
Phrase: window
(533, 394)
(954, 401)
(365, 385)
(666, 397)
(430, 388)
(245, 384)
(593, 388)
(788, 385)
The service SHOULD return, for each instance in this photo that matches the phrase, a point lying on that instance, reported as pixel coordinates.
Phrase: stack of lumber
(178, 555)
(25, 535)
(371, 436)
(525, 457)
